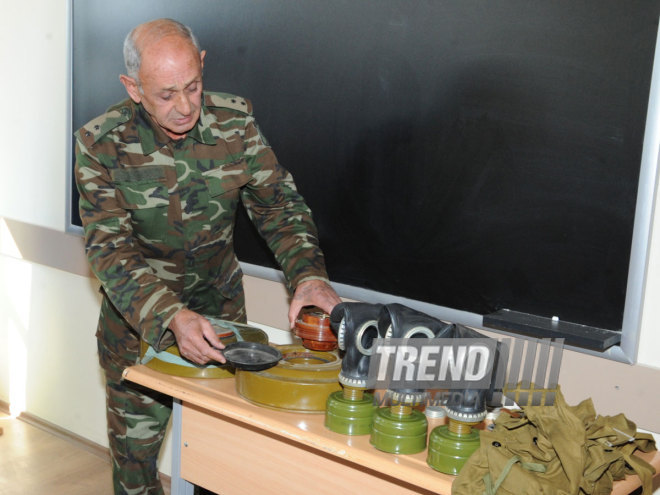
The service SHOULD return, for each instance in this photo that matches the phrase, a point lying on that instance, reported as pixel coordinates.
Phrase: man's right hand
(196, 338)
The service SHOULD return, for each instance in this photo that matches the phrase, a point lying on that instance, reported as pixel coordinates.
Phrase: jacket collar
(152, 137)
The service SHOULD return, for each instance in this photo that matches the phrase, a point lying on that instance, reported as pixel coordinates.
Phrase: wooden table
(233, 447)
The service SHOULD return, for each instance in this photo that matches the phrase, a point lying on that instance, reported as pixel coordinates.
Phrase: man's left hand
(312, 293)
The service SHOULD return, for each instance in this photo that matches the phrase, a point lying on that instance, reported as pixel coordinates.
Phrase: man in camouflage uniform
(160, 176)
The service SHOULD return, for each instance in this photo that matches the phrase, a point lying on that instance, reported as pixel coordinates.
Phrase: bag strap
(642, 468)
(529, 466)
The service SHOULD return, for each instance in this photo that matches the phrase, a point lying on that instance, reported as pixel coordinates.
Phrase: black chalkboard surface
(472, 154)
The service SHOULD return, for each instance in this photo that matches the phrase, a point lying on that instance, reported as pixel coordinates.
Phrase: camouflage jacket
(158, 214)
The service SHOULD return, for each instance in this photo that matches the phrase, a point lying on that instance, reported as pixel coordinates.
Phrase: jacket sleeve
(280, 213)
(132, 286)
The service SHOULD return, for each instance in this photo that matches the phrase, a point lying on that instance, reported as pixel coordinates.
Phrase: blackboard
(471, 154)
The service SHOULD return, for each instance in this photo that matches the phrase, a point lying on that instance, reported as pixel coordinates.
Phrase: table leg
(179, 485)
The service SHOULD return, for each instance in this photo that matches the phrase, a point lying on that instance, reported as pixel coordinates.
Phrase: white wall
(33, 44)
(49, 304)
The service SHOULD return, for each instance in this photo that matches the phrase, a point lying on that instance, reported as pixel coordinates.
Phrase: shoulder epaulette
(96, 128)
(226, 100)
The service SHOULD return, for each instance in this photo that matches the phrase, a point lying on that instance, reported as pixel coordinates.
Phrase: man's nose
(183, 105)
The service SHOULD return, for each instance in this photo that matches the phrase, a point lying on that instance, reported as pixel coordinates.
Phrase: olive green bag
(558, 449)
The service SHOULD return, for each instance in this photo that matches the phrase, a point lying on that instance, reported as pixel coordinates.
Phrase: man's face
(170, 85)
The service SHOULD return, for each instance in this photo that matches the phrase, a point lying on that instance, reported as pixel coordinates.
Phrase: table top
(220, 396)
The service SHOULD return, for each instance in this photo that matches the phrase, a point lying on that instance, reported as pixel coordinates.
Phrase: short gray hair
(159, 29)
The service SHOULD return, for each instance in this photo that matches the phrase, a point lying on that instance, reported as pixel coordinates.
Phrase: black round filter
(251, 356)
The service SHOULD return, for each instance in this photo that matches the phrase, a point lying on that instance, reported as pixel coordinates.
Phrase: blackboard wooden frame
(626, 350)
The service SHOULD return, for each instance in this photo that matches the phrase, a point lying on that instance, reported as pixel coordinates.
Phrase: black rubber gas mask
(397, 321)
(357, 331)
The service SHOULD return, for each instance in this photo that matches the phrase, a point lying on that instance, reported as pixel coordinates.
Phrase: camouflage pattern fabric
(137, 418)
(158, 218)
(158, 215)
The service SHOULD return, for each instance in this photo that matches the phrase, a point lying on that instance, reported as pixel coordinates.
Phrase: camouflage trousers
(137, 418)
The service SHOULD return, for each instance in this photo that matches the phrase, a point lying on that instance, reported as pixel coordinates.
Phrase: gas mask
(396, 321)
(357, 331)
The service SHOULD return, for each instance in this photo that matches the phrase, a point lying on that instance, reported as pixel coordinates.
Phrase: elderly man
(160, 176)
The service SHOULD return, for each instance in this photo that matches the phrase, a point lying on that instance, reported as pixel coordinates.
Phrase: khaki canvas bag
(558, 450)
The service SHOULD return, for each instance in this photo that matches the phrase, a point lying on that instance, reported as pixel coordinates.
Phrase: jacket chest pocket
(144, 193)
(224, 185)
(227, 179)
(144, 187)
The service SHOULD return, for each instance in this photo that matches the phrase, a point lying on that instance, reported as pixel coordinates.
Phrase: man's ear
(131, 88)
(202, 54)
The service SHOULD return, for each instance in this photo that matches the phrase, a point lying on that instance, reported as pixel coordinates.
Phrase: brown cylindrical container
(314, 330)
